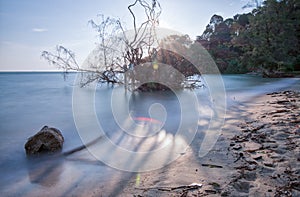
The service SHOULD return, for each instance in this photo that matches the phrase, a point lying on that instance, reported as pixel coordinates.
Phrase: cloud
(39, 30)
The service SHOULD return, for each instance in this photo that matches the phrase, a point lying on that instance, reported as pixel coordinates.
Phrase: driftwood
(168, 189)
(47, 140)
(211, 165)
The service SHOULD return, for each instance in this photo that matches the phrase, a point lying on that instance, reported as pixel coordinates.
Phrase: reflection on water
(45, 170)
(45, 99)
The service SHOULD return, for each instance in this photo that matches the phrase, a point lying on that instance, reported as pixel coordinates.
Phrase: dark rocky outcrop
(47, 140)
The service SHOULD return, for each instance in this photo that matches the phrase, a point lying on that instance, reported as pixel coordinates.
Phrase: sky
(28, 27)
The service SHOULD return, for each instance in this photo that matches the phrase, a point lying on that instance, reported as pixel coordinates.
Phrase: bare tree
(116, 50)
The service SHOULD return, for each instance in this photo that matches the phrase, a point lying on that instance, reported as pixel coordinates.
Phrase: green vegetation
(265, 40)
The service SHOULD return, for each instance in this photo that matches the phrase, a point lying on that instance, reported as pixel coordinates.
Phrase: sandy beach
(257, 154)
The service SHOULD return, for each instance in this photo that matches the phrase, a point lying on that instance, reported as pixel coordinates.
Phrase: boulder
(47, 140)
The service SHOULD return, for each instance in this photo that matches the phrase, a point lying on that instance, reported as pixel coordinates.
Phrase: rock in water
(47, 140)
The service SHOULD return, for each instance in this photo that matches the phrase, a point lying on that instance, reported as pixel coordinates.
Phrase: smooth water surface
(28, 101)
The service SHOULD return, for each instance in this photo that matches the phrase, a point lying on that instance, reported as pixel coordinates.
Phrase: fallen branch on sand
(168, 189)
(211, 165)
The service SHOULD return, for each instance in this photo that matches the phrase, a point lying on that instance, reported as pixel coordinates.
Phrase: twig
(211, 165)
(167, 188)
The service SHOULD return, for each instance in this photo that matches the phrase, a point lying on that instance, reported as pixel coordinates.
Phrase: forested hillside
(266, 40)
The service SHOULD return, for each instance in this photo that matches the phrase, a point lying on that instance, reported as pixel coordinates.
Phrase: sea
(134, 126)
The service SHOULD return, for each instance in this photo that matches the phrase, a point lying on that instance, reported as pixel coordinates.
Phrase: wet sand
(258, 154)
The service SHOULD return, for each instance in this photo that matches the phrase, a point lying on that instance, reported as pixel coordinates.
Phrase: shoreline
(81, 174)
(257, 154)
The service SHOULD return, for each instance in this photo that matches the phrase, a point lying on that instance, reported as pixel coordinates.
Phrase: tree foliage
(273, 36)
(266, 39)
(220, 42)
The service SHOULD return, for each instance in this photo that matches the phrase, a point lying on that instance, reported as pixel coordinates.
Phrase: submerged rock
(47, 140)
